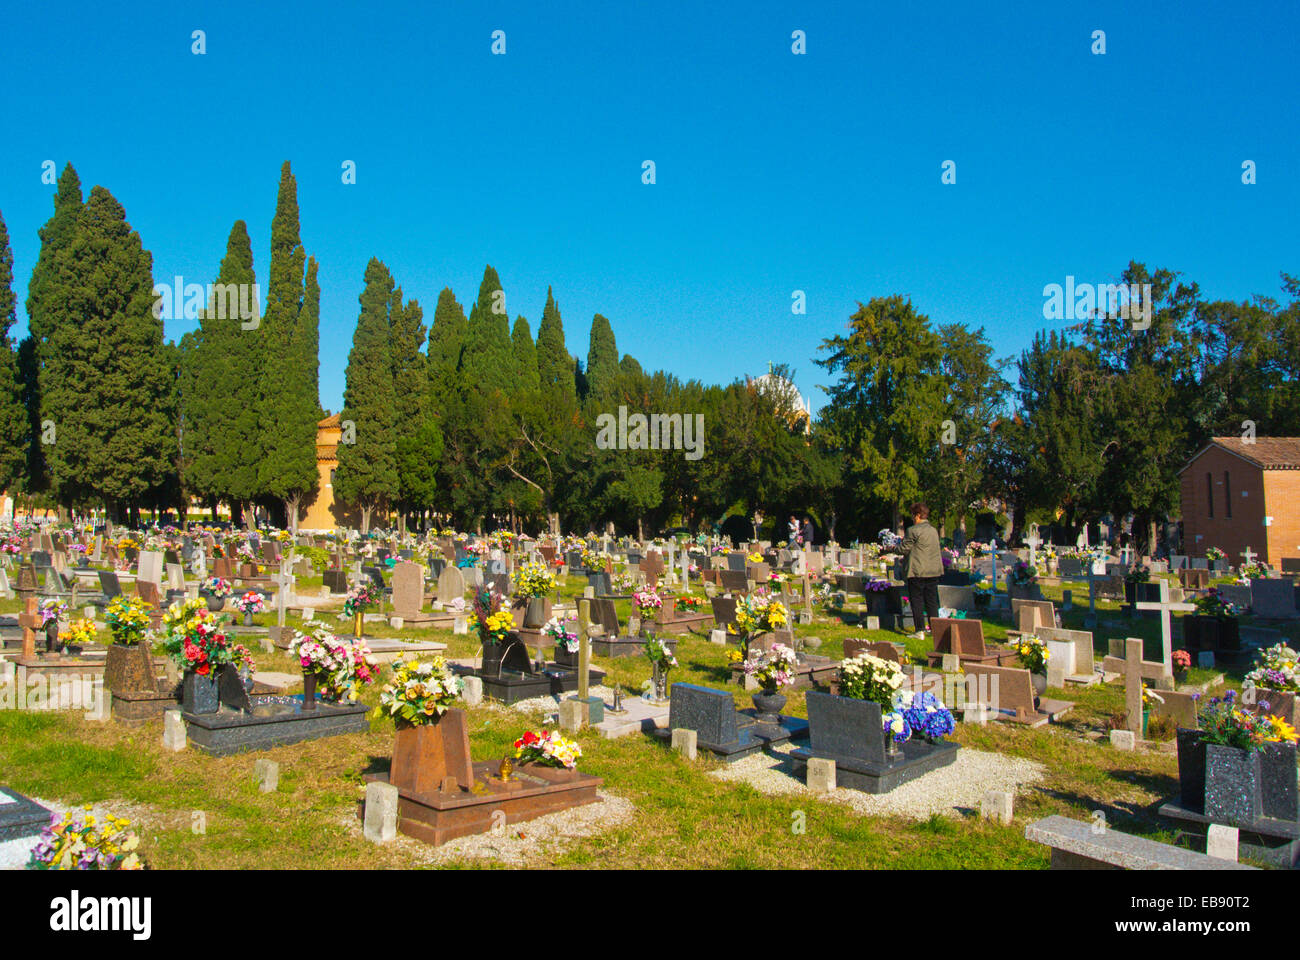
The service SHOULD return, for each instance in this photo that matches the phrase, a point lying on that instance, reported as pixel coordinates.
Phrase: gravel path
(950, 790)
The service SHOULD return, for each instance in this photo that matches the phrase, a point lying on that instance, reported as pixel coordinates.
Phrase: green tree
(289, 406)
(14, 435)
(602, 360)
(367, 471)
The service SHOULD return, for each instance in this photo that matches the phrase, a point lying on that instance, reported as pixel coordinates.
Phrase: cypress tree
(367, 468)
(527, 378)
(222, 443)
(419, 442)
(289, 398)
(602, 359)
(554, 365)
(14, 434)
(48, 307)
(107, 383)
(488, 361)
(446, 345)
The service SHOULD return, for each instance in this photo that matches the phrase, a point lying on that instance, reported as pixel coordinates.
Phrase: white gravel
(550, 705)
(950, 791)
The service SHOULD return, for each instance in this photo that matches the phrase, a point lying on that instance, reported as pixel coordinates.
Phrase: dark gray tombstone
(1071, 567)
(436, 566)
(710, 713)
(109, 585)
(957, 598)
(843, 728)
(724, 611)
(600, 583)
(1200, 563)
(736, 561)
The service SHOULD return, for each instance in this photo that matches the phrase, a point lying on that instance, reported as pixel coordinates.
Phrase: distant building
(795, 409)
(1238, 494)
(324, 513)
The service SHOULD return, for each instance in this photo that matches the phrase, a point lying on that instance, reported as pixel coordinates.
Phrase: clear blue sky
(775, 172)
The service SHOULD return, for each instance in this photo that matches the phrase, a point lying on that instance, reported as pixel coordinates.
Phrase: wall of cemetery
(1282, 493)
(1239, 501)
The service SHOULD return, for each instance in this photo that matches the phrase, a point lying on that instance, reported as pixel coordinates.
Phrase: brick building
(323, 513)
(1237, 494)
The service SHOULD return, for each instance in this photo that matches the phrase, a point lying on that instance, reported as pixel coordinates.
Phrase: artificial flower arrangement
(78, 841)
(1277, 669)
(687, 604)
(734, 657)
(80, 632)
(128, 543)
(1182, 661)
(1032, 652)
(876, 586)
(246, 553)
(888, 539)
(534, 581)
(341, 665)
(1150, 697)
(868, 677)
(659, 654)
(976, 549)
(195, 639)
(1023, 575)
(1224, 723)
(52, 609)
(918, 714)
(621, 582)
(647, 603)
(217, 587)
(362, 596)
(1214, 553)
(1212, 604)
(773, 669)
(754, 558)
(1137, 574)
(128, 619)
(757, 613)
(419, 692)
(590, 560)
(563, 637)
(492, 623)
(250, 602)
(1251, 571)
(548, 749)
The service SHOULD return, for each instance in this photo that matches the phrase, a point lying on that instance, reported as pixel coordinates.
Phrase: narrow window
(1227, 495)
(1209, 491)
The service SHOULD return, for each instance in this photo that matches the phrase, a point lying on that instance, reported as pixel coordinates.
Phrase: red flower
(203, 669)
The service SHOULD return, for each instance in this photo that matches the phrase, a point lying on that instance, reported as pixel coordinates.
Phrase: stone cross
(584, 648)
(1249, 554)
(285, 583)
(1093, 578)
(1166, 607)
(1133, 685)
(30, 620)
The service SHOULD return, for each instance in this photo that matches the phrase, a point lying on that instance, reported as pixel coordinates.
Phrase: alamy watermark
(658, 431)
(222, 301)
(1082, 301)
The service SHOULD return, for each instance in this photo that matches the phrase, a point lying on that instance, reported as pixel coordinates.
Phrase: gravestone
(965, 639)
(1029, 615)
(1072, 656)
(1166, 608)
(719, 727)
(408, 593)
(150, 567)
(1273, 599)
(724, 611)
(451, 585)
(853, 646)
(1011, 694)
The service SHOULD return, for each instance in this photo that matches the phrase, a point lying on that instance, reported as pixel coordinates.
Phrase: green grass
(683, 817)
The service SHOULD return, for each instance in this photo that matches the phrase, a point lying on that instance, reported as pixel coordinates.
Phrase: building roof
(331, 421)
(1267, 453)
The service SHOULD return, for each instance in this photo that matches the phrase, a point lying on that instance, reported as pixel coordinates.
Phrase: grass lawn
(682, 818)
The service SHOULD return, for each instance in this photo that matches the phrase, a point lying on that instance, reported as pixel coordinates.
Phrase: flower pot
(1232, 784)
(492, 655)
(1039, 681)
(214, 603)
(248, 618)
(769, 706)
(424, 754)
(247, 571)
(308, 690)
(563, 658)
(52, 637)
(199, 694)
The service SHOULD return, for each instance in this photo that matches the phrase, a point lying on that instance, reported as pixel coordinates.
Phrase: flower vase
(52, 644)
(200, 694)
(308, 690)
(660, 679)
(535, 612)
(215, 603)
(358, 623)
(1039, 682)
(892, 751)
(248, 618)
(768, 704)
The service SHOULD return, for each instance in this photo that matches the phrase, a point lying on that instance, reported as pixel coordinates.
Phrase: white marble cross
(1166, 608)
(1033, 540)
(1249, 554)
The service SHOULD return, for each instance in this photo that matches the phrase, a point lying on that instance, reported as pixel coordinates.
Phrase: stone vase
(199, 694)
(423, 754)
(214, 602)
(308, 690)
(535, 612)
(1232, 784)
(769, 705)
(248, 618)
(548, 773)
(1039, 681)
(492, 655)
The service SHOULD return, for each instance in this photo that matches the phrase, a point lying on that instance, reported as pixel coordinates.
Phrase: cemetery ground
(675, 813)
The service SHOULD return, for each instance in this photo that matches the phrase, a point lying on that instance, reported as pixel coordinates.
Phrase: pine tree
(223, 444)
(107, 384)
(289, 400)
(602, 359)
(527, 380)
(446, 345)
(367, 468)
(14, 435)
(48, 307)
(417, 437)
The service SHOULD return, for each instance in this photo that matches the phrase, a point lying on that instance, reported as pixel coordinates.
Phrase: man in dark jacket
(807, 533)
(924, 568)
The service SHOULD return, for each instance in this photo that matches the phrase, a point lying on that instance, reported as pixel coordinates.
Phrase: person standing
(794, 532)
(920, 547)
(807, 533)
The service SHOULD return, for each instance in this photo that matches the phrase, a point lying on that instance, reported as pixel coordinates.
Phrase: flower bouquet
(547, 749)
(1182, 662)
(1023, 575)
(79, 632)
(1212, 604)
(338, 667)
(1032, 652)
(51, 611)
(250, 603)
(647, 603)
(492, 623)
(564, 638)
(757, 613)
(197, 643)
(128, 619)
(1224, 723)
(1214, 553)
(774, 669)
(868, 677)
(661, 660)
(216, 589)
(361, 597)
(925, 714)
(419, 692)
(687, 604)
(78, 841)
(1275, 669)
(534, 581)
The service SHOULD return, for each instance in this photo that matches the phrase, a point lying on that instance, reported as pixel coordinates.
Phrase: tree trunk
(365, 519)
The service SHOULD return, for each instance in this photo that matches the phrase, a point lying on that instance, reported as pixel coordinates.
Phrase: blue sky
(775, 172)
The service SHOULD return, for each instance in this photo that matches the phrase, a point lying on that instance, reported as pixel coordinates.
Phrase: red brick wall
(1245, 528)
(1282, 490)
